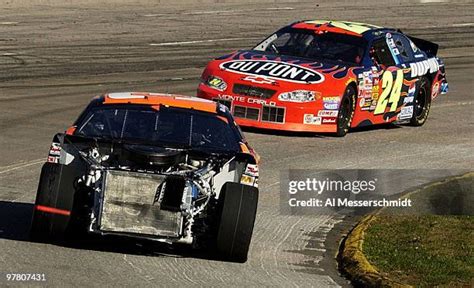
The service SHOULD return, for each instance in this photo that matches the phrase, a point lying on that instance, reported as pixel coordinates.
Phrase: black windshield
(171, 127)
(308, 44)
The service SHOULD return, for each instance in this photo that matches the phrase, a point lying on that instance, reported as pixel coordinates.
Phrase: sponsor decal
(435, 90)
(260, 102)
(375, 93)
(405, 113)
(55, 149)
(392, 45)
(216, 83)
(248, 180)
(408, 99)
(376, 81)
(423, 67)
(366, 93)
(412, 90)
(222, 107)
(329, 120)
(259, 79)
(327, 113)
(273, 70)
(299, 96)
(331, 106)
(251, 170)
(311, 119)
(243, 99)
(231, 97)
(366, 80)
(413, 46)
(366, 104)
(331, 100)
(53, 159)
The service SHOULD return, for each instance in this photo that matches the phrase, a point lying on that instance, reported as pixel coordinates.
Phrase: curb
(354, 264)
(351, 258)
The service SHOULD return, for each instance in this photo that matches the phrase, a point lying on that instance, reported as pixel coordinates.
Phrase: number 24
(391, 92)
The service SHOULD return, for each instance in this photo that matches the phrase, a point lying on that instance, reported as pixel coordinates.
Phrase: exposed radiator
(129, 205)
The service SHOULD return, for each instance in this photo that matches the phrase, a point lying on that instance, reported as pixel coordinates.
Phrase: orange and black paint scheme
(53, 207)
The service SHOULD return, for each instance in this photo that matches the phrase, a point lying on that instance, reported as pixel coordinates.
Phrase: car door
(391, 57)
(410, 86)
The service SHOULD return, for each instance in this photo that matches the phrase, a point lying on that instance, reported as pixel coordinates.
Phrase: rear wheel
(346, 111)
(422, 104)
(48, 223)
(239, 208)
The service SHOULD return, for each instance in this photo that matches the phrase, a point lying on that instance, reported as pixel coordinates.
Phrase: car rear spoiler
(426, 46)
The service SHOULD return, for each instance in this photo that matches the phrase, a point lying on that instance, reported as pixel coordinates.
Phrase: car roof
(155, 99)
(343, 27)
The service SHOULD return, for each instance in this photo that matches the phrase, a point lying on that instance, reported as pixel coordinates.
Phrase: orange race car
(167, 168)
(328, 76)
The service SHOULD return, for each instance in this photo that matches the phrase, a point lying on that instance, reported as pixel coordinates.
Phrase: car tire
(422, 105)
(48, 227)
(238, 205)
(346, 111)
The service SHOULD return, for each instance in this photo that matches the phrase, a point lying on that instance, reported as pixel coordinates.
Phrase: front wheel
(422, 105)
(346, 111)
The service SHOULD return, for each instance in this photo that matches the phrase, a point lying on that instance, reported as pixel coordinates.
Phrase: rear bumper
(273, 115)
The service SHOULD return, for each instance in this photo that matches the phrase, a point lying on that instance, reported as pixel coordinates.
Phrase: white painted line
(462, 24)
(8, 54)
(207, 12)
(201, 41)
(236, 11)
(155, 15)
(433, 1)
(280, 8)
(450, 25)
(17, 166)
(8, 23)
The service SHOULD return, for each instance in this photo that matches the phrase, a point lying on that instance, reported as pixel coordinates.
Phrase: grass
(423, 251)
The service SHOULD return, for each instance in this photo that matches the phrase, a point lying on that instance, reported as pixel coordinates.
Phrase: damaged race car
(328, 76)
(169, 168)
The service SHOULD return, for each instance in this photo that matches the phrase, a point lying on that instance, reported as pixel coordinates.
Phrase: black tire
(48, 227)
(238, 210)
(346, 111)
(422, 105)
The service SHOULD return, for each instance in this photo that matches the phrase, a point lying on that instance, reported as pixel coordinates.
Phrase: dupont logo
(274, 70)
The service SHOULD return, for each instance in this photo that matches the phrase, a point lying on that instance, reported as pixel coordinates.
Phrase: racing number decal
(391, 92)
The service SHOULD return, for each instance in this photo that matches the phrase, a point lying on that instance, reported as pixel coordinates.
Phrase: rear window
(170, 127)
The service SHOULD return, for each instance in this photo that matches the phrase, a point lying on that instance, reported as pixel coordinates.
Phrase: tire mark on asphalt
(13, 167)
(145, 277)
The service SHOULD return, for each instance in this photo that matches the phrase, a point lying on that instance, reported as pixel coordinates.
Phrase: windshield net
(169, 127)
(307, 44)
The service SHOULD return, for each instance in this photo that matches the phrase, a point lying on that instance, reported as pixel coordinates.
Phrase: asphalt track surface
(55, 57)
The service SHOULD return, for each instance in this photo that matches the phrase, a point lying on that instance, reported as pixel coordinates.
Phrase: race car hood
(265, 68)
